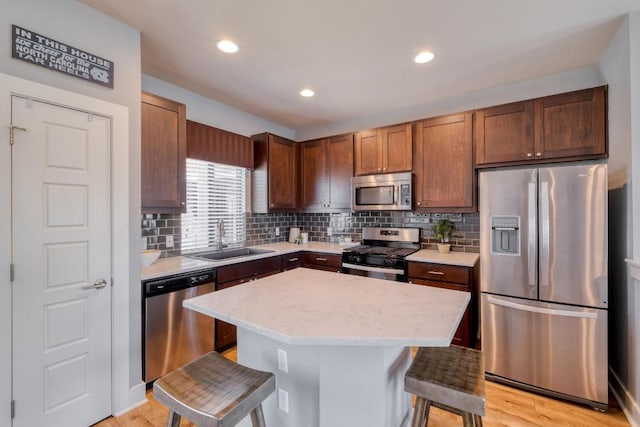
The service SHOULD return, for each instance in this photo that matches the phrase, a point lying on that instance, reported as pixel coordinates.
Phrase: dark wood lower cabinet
(322, 261)
(457, 278)
(291, 261)
(237, 274)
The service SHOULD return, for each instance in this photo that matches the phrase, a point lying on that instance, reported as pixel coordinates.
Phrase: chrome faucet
(220, 233)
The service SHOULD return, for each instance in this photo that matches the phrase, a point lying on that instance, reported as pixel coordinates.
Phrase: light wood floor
(506, 406)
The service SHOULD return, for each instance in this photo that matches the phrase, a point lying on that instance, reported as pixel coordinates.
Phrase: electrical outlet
(329, 231)
(283, 400)
(277, 231)
(282, 361)
(169, 241)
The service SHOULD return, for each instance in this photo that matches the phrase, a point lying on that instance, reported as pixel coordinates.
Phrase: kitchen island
(347, 341)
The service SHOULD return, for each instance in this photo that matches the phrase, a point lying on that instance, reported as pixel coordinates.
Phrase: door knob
(99, 284)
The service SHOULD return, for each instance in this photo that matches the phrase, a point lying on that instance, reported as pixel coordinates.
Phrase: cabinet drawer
(445, 285)
(291, 261)
(440, 272)
(249, 269)
(320, 260)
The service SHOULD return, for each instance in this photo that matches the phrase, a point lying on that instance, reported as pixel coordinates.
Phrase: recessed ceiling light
(307, 93)
(423, 57)
(227, 46)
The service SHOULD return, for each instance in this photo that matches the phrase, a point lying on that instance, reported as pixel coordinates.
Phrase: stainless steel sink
(229, 253)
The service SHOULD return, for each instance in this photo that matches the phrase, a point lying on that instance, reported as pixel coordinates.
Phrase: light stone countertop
(464, 259)
(313, 307)
(183, 264)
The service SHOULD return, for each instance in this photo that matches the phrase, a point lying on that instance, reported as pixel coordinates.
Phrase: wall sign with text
(40, 50)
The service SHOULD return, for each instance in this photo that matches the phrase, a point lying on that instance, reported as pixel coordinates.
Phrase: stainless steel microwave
(386, 192)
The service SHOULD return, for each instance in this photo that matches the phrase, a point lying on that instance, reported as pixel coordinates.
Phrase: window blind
(214, 191)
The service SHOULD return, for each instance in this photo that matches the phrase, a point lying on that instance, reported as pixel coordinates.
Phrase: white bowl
(149, 256)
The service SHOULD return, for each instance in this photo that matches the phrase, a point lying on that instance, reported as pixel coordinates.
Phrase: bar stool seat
(450, 378)
(213, 391)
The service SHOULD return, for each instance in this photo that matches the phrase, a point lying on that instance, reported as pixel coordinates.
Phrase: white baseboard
(137, 396)
(629, 406)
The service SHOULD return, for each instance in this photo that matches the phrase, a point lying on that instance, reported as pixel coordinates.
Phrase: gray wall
(620, 66)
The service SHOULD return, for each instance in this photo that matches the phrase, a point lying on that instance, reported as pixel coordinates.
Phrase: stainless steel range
(382, 253)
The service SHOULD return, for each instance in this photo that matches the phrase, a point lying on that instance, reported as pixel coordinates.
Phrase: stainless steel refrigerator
(543, 258)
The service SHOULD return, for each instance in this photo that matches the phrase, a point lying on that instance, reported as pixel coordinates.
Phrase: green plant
(443, 229)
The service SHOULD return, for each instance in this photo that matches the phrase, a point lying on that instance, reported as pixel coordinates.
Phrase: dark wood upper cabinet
(571, 124)
(220, 146)
(568, 126)
(276, 173)
(163, 155)
(383, 150)
(504, 133)
(315, 182)
(340, 167)
(444, 174)
(327, 168)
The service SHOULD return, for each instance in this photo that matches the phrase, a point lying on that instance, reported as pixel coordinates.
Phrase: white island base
(332, 385)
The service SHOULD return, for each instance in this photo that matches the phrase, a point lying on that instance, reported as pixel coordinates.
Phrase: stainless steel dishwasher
(172, 334)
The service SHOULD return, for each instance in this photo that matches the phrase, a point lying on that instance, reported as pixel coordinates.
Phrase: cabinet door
(163, 155)
(397, 148)
(283, 173)
(445, 178)
(571, 124)
(225, 335)
(504, 133)
(368, 152)
(340, 171)
(315, 184)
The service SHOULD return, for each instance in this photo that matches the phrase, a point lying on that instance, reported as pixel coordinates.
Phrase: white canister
(304, 237)
(294, 232)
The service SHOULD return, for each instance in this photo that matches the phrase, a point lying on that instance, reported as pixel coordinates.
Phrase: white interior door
(61, 247)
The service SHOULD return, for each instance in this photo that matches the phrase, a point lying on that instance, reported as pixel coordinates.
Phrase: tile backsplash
(261, 228)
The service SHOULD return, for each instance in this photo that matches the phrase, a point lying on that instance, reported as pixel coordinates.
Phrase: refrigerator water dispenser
(505, 235)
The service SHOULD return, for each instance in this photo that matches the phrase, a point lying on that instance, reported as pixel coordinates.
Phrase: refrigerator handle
(531, 235)
(591, 314)
(544, 218)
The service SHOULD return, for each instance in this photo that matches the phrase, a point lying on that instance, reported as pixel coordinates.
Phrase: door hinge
(11, 272)
(13, 409)
(12, 130)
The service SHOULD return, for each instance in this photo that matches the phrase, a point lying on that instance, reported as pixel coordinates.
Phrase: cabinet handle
(378, 169)
(538, 154)
(439, 273)
(529, 154)
(419, 203)
(321, 259)
(182, 203)
(293, 259)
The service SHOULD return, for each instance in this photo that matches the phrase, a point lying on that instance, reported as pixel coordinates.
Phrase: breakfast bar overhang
(347, 341)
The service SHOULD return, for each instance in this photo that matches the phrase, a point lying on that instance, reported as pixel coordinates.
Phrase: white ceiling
(358, 54)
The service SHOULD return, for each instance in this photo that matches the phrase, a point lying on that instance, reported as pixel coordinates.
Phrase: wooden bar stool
(449, 378)
(213, 391)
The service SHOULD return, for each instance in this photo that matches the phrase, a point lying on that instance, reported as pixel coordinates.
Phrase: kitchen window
(214, 191)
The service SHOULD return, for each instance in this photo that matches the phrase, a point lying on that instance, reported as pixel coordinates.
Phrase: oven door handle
(372, 269)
